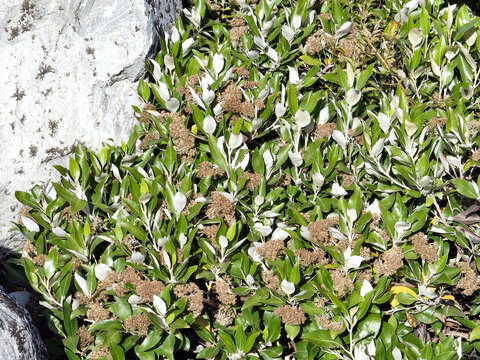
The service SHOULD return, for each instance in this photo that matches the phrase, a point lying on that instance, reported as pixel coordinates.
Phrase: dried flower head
(272, 249)
(326, 323)
(323, 131)
(237, 32)
(146, 289)
(429, 253)
(307, 257)
(225, 315)
(271, 281)
(242, 71)
(224, 292)
(84, 337)
(97, 312)
(147, 140)
(319, 231)
(193, 294)
(206, 168)
(470, 281)
(342, 283)
(476, 155)
(314, 44)
(391, 261)
(290, 315)
(220, 207)
(137, 324)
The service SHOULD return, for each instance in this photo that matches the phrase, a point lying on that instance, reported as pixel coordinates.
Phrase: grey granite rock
(19, 339)
(68, 75)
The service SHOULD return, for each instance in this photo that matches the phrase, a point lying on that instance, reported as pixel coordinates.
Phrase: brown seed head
(290, 315)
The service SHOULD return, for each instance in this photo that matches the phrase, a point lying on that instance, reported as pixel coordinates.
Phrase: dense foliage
(302, 183)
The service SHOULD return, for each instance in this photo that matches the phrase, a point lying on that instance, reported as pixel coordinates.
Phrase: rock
(69, 73)
(19, 339)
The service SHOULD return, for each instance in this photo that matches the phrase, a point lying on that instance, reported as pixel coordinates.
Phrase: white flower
(169, 62)
(160, 305)
(235, 140)
(323, 118)
(172, 104)
(223, 241)
(344, 29)
(293, 77)
(351, 262)
(82, 283)
(135, 300)
(264, 230)
(373, 208)
(137, 258)
(288, 33)
(280, 109)
(305, 233)
(209, 124)
(280, 234)
(287, 287)
(218, 63)
(337, 190)
(179, 202)
(101, 271)
(252, 252)
(339, 138)
(318, 179)
(397, 354)
(302, 118)
(366, 288)
(193, 16)
(268, 160)
(426, 291)
(166, 259)
(30, 224)
(353, 96)
(296, 21)
(259, 200)
(295, 158)
(182, 239)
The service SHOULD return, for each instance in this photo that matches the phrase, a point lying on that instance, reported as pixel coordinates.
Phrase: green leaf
(475, 334)
(217, 156)
(292, 331)
(465, 28)
(143, 90)
(406, 298)
(466, 188)
(152, 339)
(310, 60)
(371, 324)
(106, 325)
(292, 98)
(364, 76)
(322, 338)
(74, 169)
(170, 157)
(121, 308)
(227, 341)
(209, 352)
(51, 263)
(117, 352)
(75, 203)
(272, 326)
(26, 199)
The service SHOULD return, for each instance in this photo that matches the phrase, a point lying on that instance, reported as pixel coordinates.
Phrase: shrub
(302, 184)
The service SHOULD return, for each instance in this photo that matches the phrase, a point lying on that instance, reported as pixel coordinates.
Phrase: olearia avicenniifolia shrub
(303, 183)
